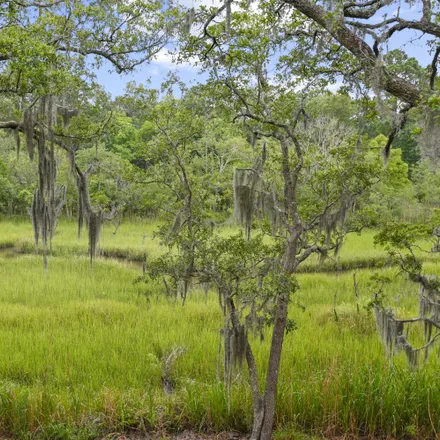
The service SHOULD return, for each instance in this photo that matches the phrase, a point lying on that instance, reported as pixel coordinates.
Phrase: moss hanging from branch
(333, 219)
(252, 199)
(29, 123)
(235, 340)
(188, 20)
(48, 201)
(36, 216)
(392, 334)
(228, 16)
(17, 141)
(395, 332)
(389, 329)
(94, 219)
(246, 183)
(86, 214)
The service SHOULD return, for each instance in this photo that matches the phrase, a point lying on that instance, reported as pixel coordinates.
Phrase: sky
(412, 42)
(156, 71)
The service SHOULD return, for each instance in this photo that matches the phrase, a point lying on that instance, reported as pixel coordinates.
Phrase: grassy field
(132, 240)
(135, 240)
(82, 352)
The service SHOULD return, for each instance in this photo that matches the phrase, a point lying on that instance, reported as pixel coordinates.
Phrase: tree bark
(11, 125)
(269, 397)
(264, 413)
(257, 400)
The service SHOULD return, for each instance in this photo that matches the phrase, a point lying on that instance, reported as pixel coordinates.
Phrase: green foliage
(400, 240)
(402, 235)
(398, 62)
(434, 102)
(151, 151)
(110, 180)
(46, 52)
(17, 180)
(393, 197)
(334, 106)
(378, 283)
(188, 134)
(426, 182)
(6, 193)
(125, 138)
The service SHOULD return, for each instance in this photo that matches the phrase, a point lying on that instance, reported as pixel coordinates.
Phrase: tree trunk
(258, 401)
(264, 407)
(258, 422)
(269, 397)
(264, 411)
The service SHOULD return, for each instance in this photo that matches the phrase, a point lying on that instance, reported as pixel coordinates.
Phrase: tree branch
(393, 84)
(363, 10)
(434, 68)
(13, 125)
(397, 126)
(38, 4)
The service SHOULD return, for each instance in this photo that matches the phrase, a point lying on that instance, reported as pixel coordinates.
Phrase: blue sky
(156, 72)
(412, 42)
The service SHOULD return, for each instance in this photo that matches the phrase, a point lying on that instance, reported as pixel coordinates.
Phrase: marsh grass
(135, 240)
(81, 355)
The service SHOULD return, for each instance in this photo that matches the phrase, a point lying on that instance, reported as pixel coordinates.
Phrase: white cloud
(334, 87)
(197, 3)
(165, 58)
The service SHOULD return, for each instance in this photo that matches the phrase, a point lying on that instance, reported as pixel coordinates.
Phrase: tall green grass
(81, 355)
(132, 240)
(136, 240)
